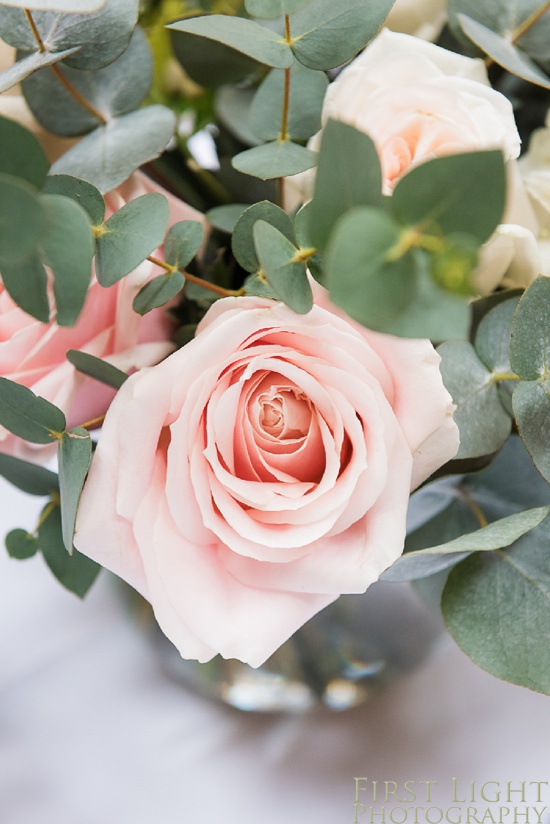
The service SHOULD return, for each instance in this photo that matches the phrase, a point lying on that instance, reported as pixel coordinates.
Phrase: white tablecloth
(93, 732)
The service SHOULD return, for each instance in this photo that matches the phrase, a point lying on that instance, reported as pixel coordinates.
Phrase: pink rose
(33, 353)
(264, 469)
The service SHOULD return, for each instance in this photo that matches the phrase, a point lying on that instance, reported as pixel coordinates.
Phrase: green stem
(204, 284)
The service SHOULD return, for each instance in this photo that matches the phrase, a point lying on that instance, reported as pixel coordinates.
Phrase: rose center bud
(284, 414)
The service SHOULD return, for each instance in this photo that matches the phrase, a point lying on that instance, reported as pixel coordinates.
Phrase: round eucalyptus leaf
(82, 192)
(272, 9)
(225, 217)
(280, 158)
(530, 342)
(21, 545)
(22, 155)
(158, 292)
(286, 276)
(182, 243)
(22, 220)
(113, 91)
(110, 154)
(27, 284)
(242, 241)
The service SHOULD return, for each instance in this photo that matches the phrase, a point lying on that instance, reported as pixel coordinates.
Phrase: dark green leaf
(530, 343)
(74, 455)
(22, 155)
(497, 535)
(242, 241)
(131, 234)
(531, 404)
(68, 249)
(497, 608)
(461, 193)
(503, 52)
(112, 91)
(326, 34)
(245, 36)
(22, 220)
(28, 65)
(226, 217)
(30, 478)
(84, 193)
(182, 243)
(482, 421)
(281, 158)
(348, 174)
(110, 154)
(21, 545)
(28, 416)
(213, 66)
(76, 572)
(362, 277)
(272, 9)
(157, 292)
(307, 93)
(96, 368)
(287, 277)
(27, 283)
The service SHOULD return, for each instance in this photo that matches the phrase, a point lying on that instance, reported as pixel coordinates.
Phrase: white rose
(423, 18)
(535, 168)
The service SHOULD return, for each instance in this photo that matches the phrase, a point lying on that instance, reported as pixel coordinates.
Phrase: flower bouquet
(268, 268)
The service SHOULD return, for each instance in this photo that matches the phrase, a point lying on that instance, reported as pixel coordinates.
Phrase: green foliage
(68, 249)
(21, 545)
(27, 65)
(59, 5)
(348, 174)
(28, 416)
(225, 218)
(307, 93)
(112, 91)
(74, 456)
(26, 283)
(326, 34)
(280, 158)
(82, 192)
(30, 478)
(108, 155)
(22, 220)
(129, 236)
(182, 243)
(22, 155)
(96, 368)
(75, 572)
(286, 276)
(242, 241)
(272, 9)
(213, 66)
(246, 36)
(158, 291)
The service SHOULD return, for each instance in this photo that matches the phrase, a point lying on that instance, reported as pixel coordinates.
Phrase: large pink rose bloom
(33, 353)
(263, 470)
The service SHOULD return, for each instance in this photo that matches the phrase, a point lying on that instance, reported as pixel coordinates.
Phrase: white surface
(92, 732)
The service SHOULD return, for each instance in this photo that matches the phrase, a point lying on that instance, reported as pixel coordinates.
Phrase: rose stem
(61, 77)
(284, 114)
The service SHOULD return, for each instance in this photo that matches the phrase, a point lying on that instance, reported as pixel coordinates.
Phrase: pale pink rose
(261, 471)
(33, 353)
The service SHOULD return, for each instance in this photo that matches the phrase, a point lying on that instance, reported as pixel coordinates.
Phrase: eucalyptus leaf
(497, 608)
(96, 39)
(75, 572)
(242, 241)
(280, 158)
(232, 107)
(531, 404)
(214, 66)
(497, 535)
(157, 292)
(112, 91)
(305, 103)
(182, 243)
(225, 218)
(530, 342)
(348, 174)
(243, 35)
(462, 193)
(97, 368)
(129, 236)
(22, 220)
(28, 477)
(21, 545)
(27, 284)
(361, 275)
(28, 416)
(286, 276)
(22, 155)
(68, 6)
(272, 9)
(326, 34)
(74, 456)
(108, 155)
(82, 192)
(482, 421)
(503, 52)
(492, 344)
(28, 65)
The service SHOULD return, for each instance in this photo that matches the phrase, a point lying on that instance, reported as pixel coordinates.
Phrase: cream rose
(423, 18)
(33, 353)
(264, 469)
(535, 168)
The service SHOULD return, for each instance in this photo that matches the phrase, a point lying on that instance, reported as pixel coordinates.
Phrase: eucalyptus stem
(61, 77)
(476, 509)
(284, 114)
(204, 284)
